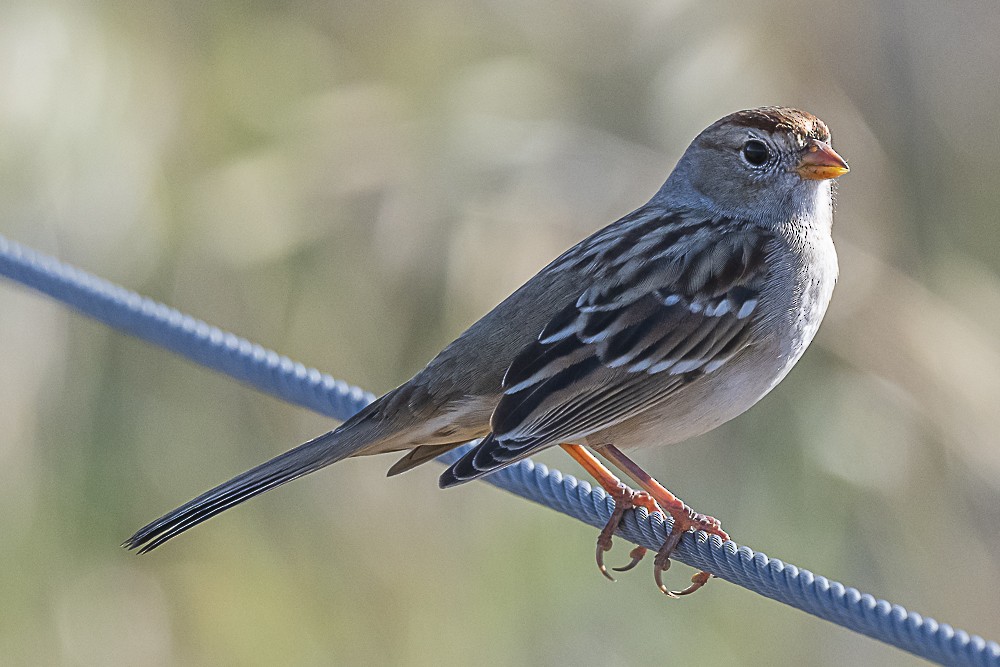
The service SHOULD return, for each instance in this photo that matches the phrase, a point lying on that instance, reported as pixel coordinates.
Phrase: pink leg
(624, 497)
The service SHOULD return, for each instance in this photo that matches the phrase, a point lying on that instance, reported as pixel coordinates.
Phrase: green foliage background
(351, 183)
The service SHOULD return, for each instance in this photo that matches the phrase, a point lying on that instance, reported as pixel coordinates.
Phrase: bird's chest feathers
(809, 288)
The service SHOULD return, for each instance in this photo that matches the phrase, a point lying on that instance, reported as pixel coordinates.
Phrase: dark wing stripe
(649, 350)
(740, 295)
(674, 359)
(732, 269)
(516, 408)
(561, 326)
(535, 359)
(676, 338)
(598, 326)
(623, 346)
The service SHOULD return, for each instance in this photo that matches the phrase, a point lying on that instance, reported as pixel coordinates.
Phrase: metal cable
(279, 376)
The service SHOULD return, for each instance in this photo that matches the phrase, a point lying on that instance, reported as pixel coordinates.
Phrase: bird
(661, 326)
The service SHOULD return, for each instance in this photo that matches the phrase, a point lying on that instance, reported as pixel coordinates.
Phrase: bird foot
(625, 499)
(685, 519)
(654, 498)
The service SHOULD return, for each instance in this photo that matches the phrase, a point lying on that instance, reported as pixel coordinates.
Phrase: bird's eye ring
(756, 153)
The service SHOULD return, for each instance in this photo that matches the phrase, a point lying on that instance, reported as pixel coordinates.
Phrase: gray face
(745, 166)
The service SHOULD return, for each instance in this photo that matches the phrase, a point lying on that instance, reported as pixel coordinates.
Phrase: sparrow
(659, 327)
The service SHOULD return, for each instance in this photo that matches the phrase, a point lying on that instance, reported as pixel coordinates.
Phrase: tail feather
(304, 459)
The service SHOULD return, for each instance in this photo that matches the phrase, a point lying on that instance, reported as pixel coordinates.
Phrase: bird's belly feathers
(700, 406)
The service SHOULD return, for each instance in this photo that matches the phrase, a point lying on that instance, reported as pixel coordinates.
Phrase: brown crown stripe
(773, 119)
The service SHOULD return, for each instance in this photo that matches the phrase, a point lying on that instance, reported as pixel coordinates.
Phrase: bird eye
(756, 152)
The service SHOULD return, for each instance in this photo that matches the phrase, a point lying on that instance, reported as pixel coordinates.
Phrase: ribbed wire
(279, 376)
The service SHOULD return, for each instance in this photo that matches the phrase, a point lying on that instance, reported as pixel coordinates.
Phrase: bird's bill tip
(820, 162)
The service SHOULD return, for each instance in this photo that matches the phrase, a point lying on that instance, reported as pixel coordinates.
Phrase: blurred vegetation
(351, 184)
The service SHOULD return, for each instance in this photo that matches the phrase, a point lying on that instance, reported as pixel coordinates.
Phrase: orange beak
(820, 162)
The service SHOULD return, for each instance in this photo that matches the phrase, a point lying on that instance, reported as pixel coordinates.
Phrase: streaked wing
(640, 332)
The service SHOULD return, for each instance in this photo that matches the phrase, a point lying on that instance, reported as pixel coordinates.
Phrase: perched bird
(659, 327)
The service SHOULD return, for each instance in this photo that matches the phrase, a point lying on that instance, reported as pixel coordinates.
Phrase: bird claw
(697, 581)
(685, 519)
(662, 564)
(625, 499)
(636, 555)
(600, 563)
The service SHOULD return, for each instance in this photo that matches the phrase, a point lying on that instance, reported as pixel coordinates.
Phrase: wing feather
(665, 306)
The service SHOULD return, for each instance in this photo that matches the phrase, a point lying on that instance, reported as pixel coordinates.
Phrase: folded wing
(637, 334)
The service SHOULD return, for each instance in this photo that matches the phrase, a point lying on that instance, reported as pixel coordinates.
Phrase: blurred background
(352, 184)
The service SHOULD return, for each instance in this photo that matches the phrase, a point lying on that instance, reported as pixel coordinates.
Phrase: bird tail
(304, 459)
